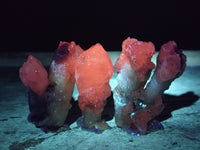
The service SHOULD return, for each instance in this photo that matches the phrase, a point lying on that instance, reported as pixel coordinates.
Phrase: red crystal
(34, 75)
(93, 72)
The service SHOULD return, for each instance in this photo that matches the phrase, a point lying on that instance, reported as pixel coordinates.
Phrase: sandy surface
(181, 119)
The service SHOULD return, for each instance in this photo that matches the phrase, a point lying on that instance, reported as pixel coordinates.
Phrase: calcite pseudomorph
(134, 66)
(93, 72)
(61, 76)
(34, 75)
(50, 95)
(138, 55)
(136, 104)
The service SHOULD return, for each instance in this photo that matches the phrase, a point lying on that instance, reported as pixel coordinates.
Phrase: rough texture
(134, 66)
(93, 72)
(64, 60)
(61, 76)
(34, 75)
(181, 128)
(138, 54)
(137, 109)
(49, 99)
(170, 62)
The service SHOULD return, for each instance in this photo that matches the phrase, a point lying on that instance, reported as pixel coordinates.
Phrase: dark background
(39, 26)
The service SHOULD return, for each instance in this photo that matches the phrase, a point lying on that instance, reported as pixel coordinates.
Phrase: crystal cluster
(136, 101)
(50, 95)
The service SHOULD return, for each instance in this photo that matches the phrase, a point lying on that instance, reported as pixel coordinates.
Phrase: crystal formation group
(137, 96)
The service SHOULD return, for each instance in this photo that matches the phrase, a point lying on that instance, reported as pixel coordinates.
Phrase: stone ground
(181, 118)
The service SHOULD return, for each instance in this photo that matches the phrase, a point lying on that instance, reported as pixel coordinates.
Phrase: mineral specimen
(138, 55)
(62, 78)
(49, 99)
(136, 104)
(93, 72)
(134, 66)
(34, 75)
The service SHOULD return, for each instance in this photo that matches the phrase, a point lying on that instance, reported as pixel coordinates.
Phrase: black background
(39, 26)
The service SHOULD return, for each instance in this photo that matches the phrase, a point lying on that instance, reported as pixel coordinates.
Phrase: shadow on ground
(171, 103)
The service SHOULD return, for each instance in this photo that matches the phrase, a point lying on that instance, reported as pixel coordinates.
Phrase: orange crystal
(170, 62)
(34, 75)
(93, 72)
(138, 54)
